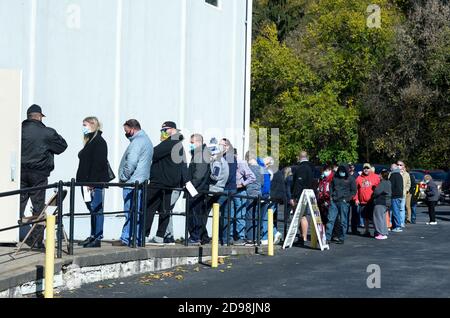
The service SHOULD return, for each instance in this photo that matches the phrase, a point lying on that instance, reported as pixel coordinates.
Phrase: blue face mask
(342, 174)
(191, 147)
(327, 173)
(86, 130)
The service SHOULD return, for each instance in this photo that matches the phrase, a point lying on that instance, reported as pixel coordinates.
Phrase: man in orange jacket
(365, 185)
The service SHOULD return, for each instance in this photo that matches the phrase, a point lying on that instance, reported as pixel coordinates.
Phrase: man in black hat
(169, 170)
(39, 145)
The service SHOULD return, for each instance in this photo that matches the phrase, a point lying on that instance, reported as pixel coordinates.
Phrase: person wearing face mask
(323, 199)
(432, 197)
(169, 170)
(39, 146)
(342, 190)
(365, 184)
(93, 167)
(397, 197)
(198, 174)
(134, 166)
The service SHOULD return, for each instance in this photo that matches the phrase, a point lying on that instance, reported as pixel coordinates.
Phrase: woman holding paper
(93, 167)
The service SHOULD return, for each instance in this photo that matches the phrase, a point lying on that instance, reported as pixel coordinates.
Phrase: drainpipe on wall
(247, 78)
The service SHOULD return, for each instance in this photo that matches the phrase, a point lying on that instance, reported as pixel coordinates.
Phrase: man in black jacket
(302, 179)
(39, 145)
(199, 171)
(169, 161)
(397, 197)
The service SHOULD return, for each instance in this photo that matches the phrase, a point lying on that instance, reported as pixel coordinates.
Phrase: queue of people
(387, 200)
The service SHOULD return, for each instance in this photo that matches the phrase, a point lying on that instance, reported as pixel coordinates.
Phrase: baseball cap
(367, 165)
(169, 124)
(35, 109)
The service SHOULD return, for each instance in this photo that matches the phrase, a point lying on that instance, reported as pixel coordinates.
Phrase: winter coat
(265, 186)
(365, 186)
(278, 187)
(302, 179)
(406, 182)
(432, 192)
(254, 188)
(39, 145)
(397, 184)
(232, 170)
(244, 176)
(219, 174)
(324, 189)
(199, 168)
(137, 159)
(167, 171)
(382, 193)
(342, 189)
(93, 166)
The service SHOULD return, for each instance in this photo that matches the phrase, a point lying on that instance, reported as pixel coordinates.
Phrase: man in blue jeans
(342, 190)
(397, 198)
(134, 166)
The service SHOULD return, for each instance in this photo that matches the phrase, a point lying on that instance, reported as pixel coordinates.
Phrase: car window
(438, 175)
(418, 175)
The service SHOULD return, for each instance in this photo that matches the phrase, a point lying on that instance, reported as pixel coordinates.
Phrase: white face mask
(86, 130)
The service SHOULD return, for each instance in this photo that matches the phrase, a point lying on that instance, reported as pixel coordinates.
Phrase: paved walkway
(415, 263)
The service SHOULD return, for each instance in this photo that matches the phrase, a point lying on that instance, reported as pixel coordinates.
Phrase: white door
(10, 139)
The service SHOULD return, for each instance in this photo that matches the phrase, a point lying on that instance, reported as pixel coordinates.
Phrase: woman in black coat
(93, 167)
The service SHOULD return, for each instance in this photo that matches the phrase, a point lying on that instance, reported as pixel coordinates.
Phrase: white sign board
(318, 234)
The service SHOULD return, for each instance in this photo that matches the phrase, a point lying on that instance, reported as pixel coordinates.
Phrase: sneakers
(397, 230)
(156, 241)
(381, 237)
(118, 243)
(249, 243)
(264, 242)
(193, 242)
(277, 238)
(93, 244)
(367, 234)
(431, 223)
(239, 242)
(86, 241)
(169, 241)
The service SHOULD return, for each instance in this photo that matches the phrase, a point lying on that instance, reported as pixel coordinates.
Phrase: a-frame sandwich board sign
(318, 234)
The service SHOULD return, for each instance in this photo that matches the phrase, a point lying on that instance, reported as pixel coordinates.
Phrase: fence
(141, 214)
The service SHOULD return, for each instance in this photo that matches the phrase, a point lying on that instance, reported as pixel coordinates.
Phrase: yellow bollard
(270, 232)
(49, 256)
(215, 237)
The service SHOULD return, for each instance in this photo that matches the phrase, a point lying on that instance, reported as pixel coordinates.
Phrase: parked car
(439, 176)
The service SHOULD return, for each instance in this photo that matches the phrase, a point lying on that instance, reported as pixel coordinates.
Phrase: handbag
(111, 175)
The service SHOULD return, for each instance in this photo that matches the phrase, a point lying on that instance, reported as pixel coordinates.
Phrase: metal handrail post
(72, 215)
(187, 216)
(135, 213)
(258, 229)
(144, 212)
(60, 223)
(229, 218)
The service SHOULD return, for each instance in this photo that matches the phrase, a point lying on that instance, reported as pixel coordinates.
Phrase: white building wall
(153, 60)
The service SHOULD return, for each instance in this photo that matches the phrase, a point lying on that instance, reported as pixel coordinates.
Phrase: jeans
(198, 218)
(251, 220)
(240, 205)
(413, 212)
(402, 211)
(224, 214)
(395, 210)
(341, 208)
(128, 207)
(356, 220)
(274, 207)
(264, 218)
(95, 207)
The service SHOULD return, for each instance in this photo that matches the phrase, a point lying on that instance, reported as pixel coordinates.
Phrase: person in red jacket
(365, 185)
(324, 192)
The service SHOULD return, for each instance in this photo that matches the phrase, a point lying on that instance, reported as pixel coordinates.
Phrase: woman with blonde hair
(93, 167)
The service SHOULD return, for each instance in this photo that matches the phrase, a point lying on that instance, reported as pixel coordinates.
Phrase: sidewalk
(24, 273)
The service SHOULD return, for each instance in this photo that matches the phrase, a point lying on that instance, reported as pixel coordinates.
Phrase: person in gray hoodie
(432, 198)
(253, 190)
(134, 166)
(382, 201)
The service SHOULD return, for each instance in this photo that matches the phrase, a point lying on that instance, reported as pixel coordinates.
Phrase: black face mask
(128, 135)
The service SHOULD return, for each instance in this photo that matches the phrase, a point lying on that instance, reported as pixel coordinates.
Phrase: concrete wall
(153, 60)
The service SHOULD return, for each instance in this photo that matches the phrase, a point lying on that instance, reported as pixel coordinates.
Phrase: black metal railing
(140, 215)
